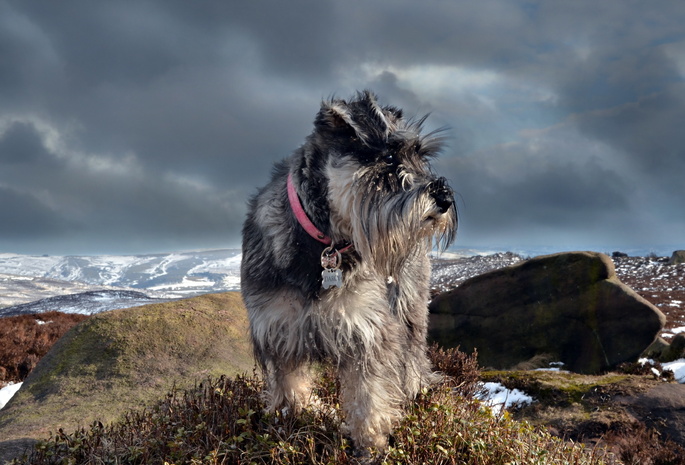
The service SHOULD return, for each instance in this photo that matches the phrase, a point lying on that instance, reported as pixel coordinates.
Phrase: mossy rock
(561, 387)
(677, 257)
(568, 306)
(124, 359)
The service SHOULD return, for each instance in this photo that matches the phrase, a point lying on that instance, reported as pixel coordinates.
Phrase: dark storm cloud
(24, 217)
(59, 196)
(146, 125)
(649, 131)
(182, 87)
(516, 190)
(21, 144)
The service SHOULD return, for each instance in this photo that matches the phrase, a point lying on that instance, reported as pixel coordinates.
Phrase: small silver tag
(331, 278)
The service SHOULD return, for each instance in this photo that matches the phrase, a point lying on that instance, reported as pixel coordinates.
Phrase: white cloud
(676, 52)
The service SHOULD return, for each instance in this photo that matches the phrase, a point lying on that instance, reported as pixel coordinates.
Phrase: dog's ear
(394, 111)
(336, 116)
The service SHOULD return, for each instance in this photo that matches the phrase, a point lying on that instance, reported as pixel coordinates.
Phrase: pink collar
(301, 215)
(304, 220)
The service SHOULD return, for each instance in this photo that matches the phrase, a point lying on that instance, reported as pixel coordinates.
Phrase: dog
(335, 264)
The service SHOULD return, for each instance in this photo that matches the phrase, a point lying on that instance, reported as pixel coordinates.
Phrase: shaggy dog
(335, 266)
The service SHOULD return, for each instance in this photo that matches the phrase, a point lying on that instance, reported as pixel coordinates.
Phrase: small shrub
(222, 421)
(462, 369)
(641, 445)
(650, 368)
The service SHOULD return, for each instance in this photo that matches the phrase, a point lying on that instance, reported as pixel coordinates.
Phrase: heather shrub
(640, 445)
(222, 421)
(25, 339)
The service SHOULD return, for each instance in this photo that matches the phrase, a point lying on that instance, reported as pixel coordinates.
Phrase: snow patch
(8, 392)
(498, 397)
(553, 366)
(678, 369)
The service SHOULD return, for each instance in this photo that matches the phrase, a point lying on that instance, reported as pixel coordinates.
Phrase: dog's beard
(387, 224)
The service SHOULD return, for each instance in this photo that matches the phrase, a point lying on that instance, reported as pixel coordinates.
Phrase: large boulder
(124, 359)
(570, 307)
(677, 257)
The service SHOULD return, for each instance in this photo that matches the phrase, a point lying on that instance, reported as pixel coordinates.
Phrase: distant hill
(19, 290)
(84, 303)
(121, 359)
(178, 274)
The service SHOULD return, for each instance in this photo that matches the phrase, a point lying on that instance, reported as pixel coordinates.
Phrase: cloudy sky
(143, 126)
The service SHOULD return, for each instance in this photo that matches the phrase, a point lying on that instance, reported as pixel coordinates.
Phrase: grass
(222, 421)
(562, 388)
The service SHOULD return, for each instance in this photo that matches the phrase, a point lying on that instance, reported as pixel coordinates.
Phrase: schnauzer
(335, 263)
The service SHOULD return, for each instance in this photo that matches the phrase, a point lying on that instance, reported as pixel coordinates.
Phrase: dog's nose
(442, 194)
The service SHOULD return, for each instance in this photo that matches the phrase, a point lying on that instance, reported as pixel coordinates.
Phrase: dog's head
(381, 190)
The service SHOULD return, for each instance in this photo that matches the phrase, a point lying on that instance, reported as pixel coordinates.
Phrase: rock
(663, 408)
(15, 448)
(125, 359)
(677, 257)
(570, 306)
(656, 349)
(675, 350)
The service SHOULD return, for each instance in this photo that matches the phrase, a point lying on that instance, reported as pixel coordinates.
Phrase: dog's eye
(389, 159)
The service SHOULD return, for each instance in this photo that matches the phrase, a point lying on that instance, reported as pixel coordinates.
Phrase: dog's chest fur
(339, 323)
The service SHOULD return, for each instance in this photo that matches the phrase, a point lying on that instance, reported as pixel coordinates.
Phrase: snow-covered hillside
(31, 279)
(167, 275)
(85, 303)
(17, 290)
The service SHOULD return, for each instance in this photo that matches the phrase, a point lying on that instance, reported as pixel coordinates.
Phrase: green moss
(125, 358)
(554, 387)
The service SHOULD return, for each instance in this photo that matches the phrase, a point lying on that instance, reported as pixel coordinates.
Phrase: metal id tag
(331, 278)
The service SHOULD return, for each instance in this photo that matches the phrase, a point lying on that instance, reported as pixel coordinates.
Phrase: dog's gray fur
(363, 177)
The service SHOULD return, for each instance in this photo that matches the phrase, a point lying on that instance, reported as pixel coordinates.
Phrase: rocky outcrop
(124, 359)
(663, 408)
(675, 350)
(677, 257)
(570, 307)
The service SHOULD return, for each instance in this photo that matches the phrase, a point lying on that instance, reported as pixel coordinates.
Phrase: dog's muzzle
(442, 194)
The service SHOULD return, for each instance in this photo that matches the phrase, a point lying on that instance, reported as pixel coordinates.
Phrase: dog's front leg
(288, 386)
(372, 400)
(409, 300)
